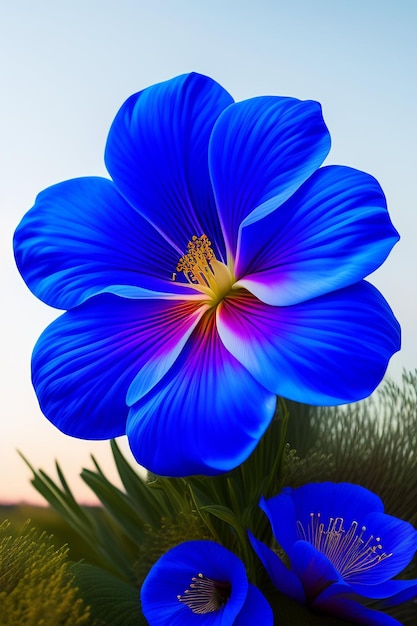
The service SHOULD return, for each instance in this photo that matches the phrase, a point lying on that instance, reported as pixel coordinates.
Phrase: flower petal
(261, 150)
(397, 538)
(346, 500)
(314, 569)
(85, 361)
(340, 601)
(172, 574)
(403, 591)
(157, 154)
(330, 350)
(206, 416)
(391, 591)
(284, 579)
(282, 516)
(255, 610)
(331, 233)
(81, 238)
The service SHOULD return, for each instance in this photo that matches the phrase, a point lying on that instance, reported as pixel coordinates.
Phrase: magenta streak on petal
(175, 329)
(331, 233)
(195, 421)
(330, 350)
(85, 361)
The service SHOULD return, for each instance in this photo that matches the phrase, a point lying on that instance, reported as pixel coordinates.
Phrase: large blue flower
(341, 550)
(221, 266)
(200, 582)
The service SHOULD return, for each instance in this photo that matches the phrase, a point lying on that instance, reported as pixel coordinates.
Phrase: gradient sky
(65, 69)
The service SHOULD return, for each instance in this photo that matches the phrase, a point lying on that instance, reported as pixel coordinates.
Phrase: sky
(66, 68)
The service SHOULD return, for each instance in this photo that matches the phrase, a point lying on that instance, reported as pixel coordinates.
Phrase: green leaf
(146, 501)
(112, 602)
(117, 504)
(94, 531)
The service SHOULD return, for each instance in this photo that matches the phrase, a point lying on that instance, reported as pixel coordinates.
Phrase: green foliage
(110, 548)
(113, 602)
(372, 443)
(36, 585)
(45, 518)
(169, 534)
(222, 507)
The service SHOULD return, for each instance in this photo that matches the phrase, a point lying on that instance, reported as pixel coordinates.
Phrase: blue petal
(157, 154)
(346, 500)
(206, 416)
(340, 601)
(282, 516)
(284, 579)
(314, 569)
(256, 610)
(85, 361)
(331, 233)
(330, 350)
(261, 150)
(351, 503)
(82, 238)
(392, 591)
(397, 538)
(172, 574)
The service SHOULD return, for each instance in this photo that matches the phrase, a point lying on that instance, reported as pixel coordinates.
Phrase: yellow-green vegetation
(372, 443)
(53, 523)
(36, 584)
(171, 533)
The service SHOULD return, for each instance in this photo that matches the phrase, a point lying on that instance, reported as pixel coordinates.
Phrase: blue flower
(200, 582)
(341, 550)
(219, 267)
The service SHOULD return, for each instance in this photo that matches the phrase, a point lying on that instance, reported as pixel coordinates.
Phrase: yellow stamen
(203, 271)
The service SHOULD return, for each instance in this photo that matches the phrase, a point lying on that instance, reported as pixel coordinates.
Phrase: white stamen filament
(346, 549)
(205, 595)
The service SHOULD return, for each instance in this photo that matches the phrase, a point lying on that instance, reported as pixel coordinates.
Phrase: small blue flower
(341, 549)
(200, 582)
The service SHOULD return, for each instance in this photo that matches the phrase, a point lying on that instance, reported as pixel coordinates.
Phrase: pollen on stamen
(346, 548)
(196, 263)
(204, 272)
(205, 595)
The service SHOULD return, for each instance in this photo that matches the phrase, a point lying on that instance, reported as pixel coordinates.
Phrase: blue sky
(65, 69)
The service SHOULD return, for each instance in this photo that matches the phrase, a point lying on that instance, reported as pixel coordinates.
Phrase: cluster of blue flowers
(221, 266)
(341, 548)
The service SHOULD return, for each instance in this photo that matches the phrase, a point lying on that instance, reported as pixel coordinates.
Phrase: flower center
(203, 271)
(205, 595)
(347, 549)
